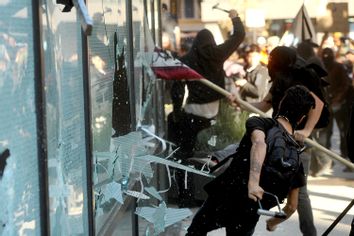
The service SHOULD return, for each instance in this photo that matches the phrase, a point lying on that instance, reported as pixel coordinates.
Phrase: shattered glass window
(111, 117)
(65, 121)
(19, 184)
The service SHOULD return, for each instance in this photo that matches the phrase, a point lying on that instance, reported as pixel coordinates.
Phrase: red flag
(165, 66)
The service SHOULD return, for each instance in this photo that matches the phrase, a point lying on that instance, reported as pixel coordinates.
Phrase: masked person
(286, 69)
(340, 94)
(267, 159)
(202, 104)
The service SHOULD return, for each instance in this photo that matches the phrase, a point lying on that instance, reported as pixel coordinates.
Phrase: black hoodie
(207, 59)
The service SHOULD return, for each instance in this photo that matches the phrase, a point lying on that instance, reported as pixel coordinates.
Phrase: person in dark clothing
(350, 139)
(262, 162)
(202, 105)
(286, 69)
(340, 93)
(350, 135)
(314, 162)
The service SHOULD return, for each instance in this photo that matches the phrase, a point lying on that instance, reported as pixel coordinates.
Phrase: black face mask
(281, 60)
(327, 60)
(327, 56)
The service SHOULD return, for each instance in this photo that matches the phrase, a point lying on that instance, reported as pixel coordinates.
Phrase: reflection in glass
(65, 121)
(19, 186)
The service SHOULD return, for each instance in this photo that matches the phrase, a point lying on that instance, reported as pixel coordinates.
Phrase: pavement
(330, 194)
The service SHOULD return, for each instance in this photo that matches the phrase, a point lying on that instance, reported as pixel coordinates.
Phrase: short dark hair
(296, 103)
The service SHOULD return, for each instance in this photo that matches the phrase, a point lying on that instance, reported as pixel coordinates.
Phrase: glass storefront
(123, 96)
(98, 163)
(19, 179)
(65, 121)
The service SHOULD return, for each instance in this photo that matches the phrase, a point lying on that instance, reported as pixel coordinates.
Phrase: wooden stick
(251, 108)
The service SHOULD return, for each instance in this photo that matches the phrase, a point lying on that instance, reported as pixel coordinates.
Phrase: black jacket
(207, 59)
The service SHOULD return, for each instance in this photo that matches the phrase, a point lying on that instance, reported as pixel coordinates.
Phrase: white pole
(251, 108)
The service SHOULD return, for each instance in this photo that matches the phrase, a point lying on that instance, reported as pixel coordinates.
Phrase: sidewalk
(329, 196)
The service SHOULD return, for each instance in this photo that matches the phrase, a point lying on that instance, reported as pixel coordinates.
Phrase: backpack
(309, 76)
(282, 158)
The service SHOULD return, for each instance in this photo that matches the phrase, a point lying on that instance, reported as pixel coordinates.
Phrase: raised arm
(258, 153)
(224, 50)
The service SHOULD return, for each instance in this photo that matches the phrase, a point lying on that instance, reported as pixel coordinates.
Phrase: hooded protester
(286, 69)
(320, 162)
(202, 104)
(340, 96)
(266, 161)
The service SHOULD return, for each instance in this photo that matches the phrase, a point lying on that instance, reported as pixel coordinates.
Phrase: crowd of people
(306, 88)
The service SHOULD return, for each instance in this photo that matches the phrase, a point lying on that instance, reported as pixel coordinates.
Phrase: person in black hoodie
(286, 69)
(202, 104)
(266, 161)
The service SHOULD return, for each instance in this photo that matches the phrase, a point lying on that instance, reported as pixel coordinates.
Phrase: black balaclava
(281, 60)
(328, 57)
(201, 55)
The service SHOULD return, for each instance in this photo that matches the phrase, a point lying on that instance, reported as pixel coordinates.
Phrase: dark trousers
(341, 116)
(217, 213)
(304, 207)
(183, 129)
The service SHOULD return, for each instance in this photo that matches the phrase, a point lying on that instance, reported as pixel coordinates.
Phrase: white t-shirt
(206, 110)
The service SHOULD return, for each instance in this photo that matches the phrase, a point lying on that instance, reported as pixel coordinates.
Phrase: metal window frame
(131, 82)
(88, 133)
(40, 102)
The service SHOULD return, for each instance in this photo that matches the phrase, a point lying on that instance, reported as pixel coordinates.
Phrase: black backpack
(309, 76)
(282, 158)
